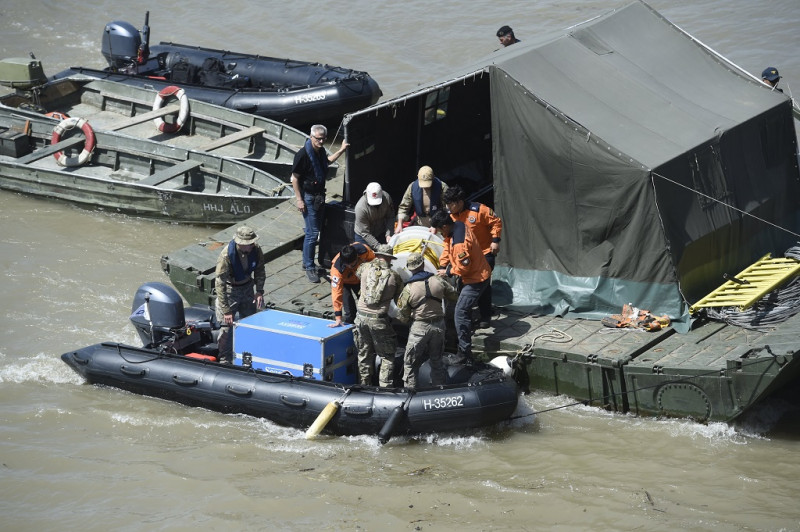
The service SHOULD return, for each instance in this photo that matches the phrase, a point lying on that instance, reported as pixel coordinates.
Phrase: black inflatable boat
(298, 93)
(178, 362)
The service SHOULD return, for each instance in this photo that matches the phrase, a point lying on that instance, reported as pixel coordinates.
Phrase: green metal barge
(715, 372)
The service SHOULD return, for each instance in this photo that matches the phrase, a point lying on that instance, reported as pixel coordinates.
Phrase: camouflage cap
(385, 250)
(414, 261)
(245, 235)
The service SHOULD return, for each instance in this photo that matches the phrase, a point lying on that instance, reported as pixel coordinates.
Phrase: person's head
(425, 177)
(385, 252)
(455, 199)
(245, 238)
(374, 194)
(415, 262)
(349, 255)
(442, 222)
(770, 76)
(318, 135)
(506, 35)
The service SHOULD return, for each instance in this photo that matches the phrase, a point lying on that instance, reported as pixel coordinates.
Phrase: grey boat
(118, 173)
(143, 113)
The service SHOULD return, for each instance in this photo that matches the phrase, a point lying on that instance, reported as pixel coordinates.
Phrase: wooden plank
(41, 153)
(168, 173)
(233, 137)
(138, 119)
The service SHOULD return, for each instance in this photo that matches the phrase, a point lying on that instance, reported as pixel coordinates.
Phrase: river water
(74, 456)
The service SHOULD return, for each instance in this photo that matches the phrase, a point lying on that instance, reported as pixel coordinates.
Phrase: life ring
(88, 144)
(57, 114)
(183, 114)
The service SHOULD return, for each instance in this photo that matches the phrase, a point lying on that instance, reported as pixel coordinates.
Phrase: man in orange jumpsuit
(345, 284)
(487, 228)
(463, 257)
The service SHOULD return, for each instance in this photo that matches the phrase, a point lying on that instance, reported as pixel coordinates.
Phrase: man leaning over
(345, 284)
(423, 197)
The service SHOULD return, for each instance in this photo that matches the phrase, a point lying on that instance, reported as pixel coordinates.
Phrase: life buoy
(183, 114)
(57, 114)
(88, 144)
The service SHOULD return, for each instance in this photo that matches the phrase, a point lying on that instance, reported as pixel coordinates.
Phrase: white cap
(374, 194)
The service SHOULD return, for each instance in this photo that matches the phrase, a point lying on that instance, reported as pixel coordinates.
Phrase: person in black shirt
(308, 181)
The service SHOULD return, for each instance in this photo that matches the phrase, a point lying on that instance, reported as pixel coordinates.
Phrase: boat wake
(41, 368)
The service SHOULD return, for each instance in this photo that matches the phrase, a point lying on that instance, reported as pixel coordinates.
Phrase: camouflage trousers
(241, 300)
(425, 341)
(375, 336)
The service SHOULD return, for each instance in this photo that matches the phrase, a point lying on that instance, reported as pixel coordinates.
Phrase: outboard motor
(121, 44)
(157, 312)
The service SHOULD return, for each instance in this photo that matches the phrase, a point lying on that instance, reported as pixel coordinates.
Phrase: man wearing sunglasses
(308, 181)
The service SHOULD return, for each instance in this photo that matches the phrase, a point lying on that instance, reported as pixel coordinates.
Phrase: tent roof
(632, 78)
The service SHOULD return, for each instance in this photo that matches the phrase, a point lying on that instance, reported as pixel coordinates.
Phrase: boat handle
(184, 380)
(358, 410)
(133, 372)
(239, 390)
(293, 402)
(79, 359)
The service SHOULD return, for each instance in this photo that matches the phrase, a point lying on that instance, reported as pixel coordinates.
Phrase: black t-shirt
(302, 167)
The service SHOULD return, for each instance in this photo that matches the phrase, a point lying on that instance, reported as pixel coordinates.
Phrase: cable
(740, 211)
(775, 307)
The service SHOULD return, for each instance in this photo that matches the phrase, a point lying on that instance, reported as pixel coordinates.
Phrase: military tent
(629, 162)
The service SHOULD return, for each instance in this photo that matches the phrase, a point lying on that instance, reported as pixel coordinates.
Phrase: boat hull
(138, 177)
(293, 92)
(487, 398)
(266, 144)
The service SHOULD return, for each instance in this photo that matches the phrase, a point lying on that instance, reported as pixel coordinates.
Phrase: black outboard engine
(121, 44)
(157, 313)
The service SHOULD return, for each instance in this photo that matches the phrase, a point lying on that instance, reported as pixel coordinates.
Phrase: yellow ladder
(751, 284)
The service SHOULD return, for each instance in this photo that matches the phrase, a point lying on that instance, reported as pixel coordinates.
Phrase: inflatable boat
(298, 93)
(178, 361)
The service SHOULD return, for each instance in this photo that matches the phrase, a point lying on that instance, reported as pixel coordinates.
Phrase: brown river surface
(78, 457)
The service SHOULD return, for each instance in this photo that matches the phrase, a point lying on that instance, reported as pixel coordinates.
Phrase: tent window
(436, 105)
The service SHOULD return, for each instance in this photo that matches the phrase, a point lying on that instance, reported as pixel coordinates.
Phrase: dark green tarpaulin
(629, 163)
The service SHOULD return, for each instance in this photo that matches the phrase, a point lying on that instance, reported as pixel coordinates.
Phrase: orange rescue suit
(464, 255)
(342, 274)
(484, 223)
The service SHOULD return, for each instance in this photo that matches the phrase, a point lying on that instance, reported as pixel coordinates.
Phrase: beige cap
(425, 176)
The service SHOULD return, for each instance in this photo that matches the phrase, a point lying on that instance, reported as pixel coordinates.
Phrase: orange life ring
(57, 114)
(88, 144)
(183, 114)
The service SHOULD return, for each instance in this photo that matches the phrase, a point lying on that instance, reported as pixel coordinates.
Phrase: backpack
(375, 280)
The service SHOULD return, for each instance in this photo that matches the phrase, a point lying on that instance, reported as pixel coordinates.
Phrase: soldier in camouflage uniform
(421, 301)
(240, 267)
(373, 332)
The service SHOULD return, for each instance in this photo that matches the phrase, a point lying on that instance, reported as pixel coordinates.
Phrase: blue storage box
(281, 341)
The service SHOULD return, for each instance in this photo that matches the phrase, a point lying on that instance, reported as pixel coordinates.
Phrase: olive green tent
(630, 163)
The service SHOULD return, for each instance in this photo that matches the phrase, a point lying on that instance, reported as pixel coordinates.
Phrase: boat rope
(740, 211)
(713, 372)
(553, 335)
(336, 135)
